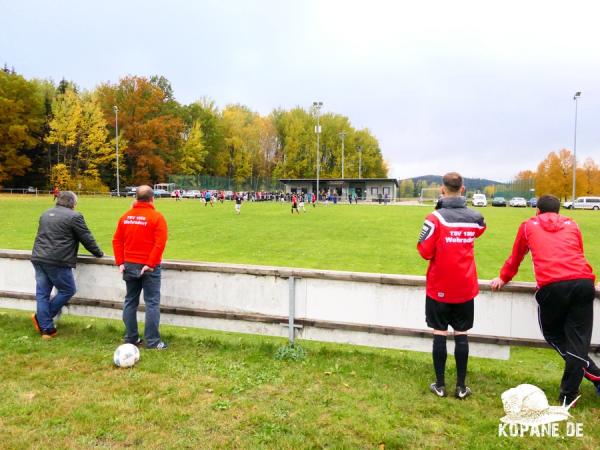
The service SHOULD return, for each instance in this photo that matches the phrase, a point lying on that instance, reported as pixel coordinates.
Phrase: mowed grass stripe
(364, 238)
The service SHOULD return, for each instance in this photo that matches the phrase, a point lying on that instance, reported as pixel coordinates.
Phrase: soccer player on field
(565, 294)
(238, 203)
(447, 241)
(295, 204)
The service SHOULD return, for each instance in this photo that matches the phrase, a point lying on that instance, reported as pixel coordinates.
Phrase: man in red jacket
(138, 245)
(565, 292)
(447, 241)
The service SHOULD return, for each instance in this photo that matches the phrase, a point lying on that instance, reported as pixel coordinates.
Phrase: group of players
(565, 285)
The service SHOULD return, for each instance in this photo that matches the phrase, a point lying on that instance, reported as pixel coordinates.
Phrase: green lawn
(342, 237)
(220, 390)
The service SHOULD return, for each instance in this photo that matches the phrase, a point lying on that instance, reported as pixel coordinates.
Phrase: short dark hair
(144, 193)
(548, 203)
(453, 181)
(67, 199)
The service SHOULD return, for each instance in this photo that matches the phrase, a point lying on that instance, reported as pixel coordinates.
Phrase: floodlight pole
(342, 135)
(359, 148)
(575, 97)
(317, 107)
(117, 145)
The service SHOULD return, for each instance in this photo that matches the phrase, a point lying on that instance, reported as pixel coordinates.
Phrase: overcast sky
(485, 88)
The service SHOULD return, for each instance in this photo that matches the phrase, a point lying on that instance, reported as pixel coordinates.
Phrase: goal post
(429, 195)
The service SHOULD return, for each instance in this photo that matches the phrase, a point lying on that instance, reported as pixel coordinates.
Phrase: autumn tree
(192, 153)
(64, 125)
(147, 122)
(589, 177)
(21, 122)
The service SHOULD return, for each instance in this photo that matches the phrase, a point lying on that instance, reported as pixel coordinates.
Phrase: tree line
(59, 135)
(554, 175)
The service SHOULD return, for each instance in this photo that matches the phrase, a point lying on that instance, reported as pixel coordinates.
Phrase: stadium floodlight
(575, 98)
(342, 135)
(116, 108)
(359, 148)
(317, 108)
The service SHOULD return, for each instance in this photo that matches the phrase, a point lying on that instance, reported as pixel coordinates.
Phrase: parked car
(584, 203)
(498, 201)
(517, 202)
(158, 193)
(192, 194)
(532, 202)
(479, 200)
(128, 191)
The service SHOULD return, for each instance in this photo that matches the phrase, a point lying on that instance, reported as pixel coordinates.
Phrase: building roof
(353, 180)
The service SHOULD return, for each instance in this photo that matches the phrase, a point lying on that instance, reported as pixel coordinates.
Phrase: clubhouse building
(369, 189)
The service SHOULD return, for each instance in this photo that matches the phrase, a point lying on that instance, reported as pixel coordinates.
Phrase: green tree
(407, 188)
(206, 113)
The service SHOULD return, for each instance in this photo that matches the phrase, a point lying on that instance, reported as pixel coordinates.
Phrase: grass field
(219, 390)
(342, 237)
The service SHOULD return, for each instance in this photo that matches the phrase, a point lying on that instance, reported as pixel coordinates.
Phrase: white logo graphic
(529, 414)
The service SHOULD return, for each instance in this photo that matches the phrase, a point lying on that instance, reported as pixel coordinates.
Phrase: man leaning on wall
(54, 256)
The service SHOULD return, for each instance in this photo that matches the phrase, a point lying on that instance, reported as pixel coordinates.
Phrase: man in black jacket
(54, 256)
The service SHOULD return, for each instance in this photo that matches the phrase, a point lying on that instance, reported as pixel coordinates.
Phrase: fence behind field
(377, 310)
(226, 183)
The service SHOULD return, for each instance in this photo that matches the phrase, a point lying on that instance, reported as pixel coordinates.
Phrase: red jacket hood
(552, 222)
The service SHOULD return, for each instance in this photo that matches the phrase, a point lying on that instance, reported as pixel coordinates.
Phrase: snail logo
(529, 414)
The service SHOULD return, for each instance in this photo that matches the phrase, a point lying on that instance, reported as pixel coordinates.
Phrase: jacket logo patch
(426, 231)
(441, 294)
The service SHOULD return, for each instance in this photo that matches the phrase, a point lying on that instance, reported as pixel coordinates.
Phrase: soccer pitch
(222, 390)
(362, 238)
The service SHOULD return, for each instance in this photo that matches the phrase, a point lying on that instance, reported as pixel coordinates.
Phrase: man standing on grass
(138, 244)
(238, 203)
(565, 294)
(54, 256)
(447, 241)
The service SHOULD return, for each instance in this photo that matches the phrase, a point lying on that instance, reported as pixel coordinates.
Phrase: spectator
(566, 292)
(54, 256)
(138, 244)
(447, 241)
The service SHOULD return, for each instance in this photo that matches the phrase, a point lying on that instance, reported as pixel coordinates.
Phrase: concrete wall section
(366, 309)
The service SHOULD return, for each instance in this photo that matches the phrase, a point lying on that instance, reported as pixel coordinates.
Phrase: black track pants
(566, 316)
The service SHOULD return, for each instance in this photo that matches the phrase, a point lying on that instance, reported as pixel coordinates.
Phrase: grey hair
(67, 199)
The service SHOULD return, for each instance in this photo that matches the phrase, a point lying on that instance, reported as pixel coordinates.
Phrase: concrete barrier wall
(365, 309)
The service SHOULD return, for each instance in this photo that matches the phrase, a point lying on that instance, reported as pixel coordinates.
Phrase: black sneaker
(137, 343)
(48, 334)
(440, 391)
(462, 392)
(160, 346)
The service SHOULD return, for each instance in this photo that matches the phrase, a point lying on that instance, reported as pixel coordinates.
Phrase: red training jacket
(556, 250)
(447, 241)
(141, 236)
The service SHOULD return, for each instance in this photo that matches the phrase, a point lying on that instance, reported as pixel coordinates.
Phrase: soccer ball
(126, 355)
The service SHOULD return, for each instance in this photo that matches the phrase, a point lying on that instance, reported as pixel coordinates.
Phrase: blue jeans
(48, 276)
(150, 284)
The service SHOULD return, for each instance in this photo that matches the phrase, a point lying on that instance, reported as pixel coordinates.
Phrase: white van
(584, 203)
(479, 200)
